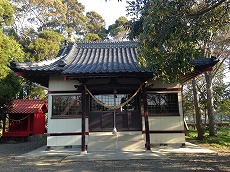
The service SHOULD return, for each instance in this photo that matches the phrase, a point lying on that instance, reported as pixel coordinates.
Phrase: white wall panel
(160, 84)
(66, 125)
(167, 138)
(57, 83)
(64, 140)
(165, 123)
(51, 141)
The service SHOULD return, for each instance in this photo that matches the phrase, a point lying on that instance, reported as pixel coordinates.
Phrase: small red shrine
(25, 118)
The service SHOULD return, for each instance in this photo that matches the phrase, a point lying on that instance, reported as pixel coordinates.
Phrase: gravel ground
(173, 163)
(11, 149)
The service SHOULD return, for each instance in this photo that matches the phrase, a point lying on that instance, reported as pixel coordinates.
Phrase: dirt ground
(219, 161)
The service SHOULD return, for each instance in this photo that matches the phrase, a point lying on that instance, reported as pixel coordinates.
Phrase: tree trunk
(210, 105)
(199, 126)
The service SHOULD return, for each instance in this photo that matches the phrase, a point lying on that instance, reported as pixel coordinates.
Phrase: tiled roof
(89, 58)
(204, 62)
(94, 59)
(28, 106)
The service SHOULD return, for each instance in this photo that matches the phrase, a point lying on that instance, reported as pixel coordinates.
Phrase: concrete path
(75, 154)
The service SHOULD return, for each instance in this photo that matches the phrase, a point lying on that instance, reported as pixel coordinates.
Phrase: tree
(95, 27)
(9, 87)
(30, 90)
(119, 30)
(10, 50)
(199, 99)
(46, 46)
(64, 16)
(6, 13)
(38, 13)
(172, 33)
(92, 37)
(95, 23)
(75, 20)
(224, 108)
(199, 125)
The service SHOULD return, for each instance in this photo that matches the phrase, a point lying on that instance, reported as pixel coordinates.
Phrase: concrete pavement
(75, 154)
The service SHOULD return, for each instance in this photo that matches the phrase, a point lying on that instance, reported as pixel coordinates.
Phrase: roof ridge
(105, 44)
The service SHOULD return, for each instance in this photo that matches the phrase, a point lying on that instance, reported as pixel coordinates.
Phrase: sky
(110, 10)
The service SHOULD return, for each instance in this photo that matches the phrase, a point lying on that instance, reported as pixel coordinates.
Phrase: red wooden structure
(25, 118)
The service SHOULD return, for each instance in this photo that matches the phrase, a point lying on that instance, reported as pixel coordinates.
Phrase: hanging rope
(17, 120)
(113, 107)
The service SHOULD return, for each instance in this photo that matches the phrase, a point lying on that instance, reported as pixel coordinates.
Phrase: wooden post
(83, 101)
(147, 135)
(28, 124)
(4, 124)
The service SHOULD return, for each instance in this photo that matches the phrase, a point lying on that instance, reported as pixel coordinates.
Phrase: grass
(222, 140)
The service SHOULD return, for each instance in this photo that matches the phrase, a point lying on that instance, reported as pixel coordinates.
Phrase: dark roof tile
(90, 58)
(97, 59)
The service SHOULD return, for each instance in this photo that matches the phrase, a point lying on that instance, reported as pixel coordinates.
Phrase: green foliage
(95, 27)
(46, 45)
(75, 21)
(30, 90)
(220, 96)
(9, 87)
(6, 13)
(222, 140)
(95, 22)
(119, 29)
(65, 16)
(37, 92)
(92, 37)
(172, 33)
(224, 108)
(10, 50)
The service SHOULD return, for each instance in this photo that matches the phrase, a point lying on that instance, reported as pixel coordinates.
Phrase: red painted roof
(28, 106)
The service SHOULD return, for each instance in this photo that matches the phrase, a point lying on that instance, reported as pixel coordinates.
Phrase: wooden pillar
(147, 135)
(83, 101)
(4, 124)
(28, 124)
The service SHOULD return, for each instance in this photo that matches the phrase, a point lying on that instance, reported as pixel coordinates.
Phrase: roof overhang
(141, 75)
(40, 78)
(200, 66)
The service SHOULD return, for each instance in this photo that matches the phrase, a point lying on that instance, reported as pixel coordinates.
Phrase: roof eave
(109, 75)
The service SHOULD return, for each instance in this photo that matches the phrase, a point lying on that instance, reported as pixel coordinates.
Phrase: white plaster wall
(71, 125)
(173, 123)
(158, 83)
(65, 126)
(57, 83)
(64, 140)
(167, 138)
(167, 123)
